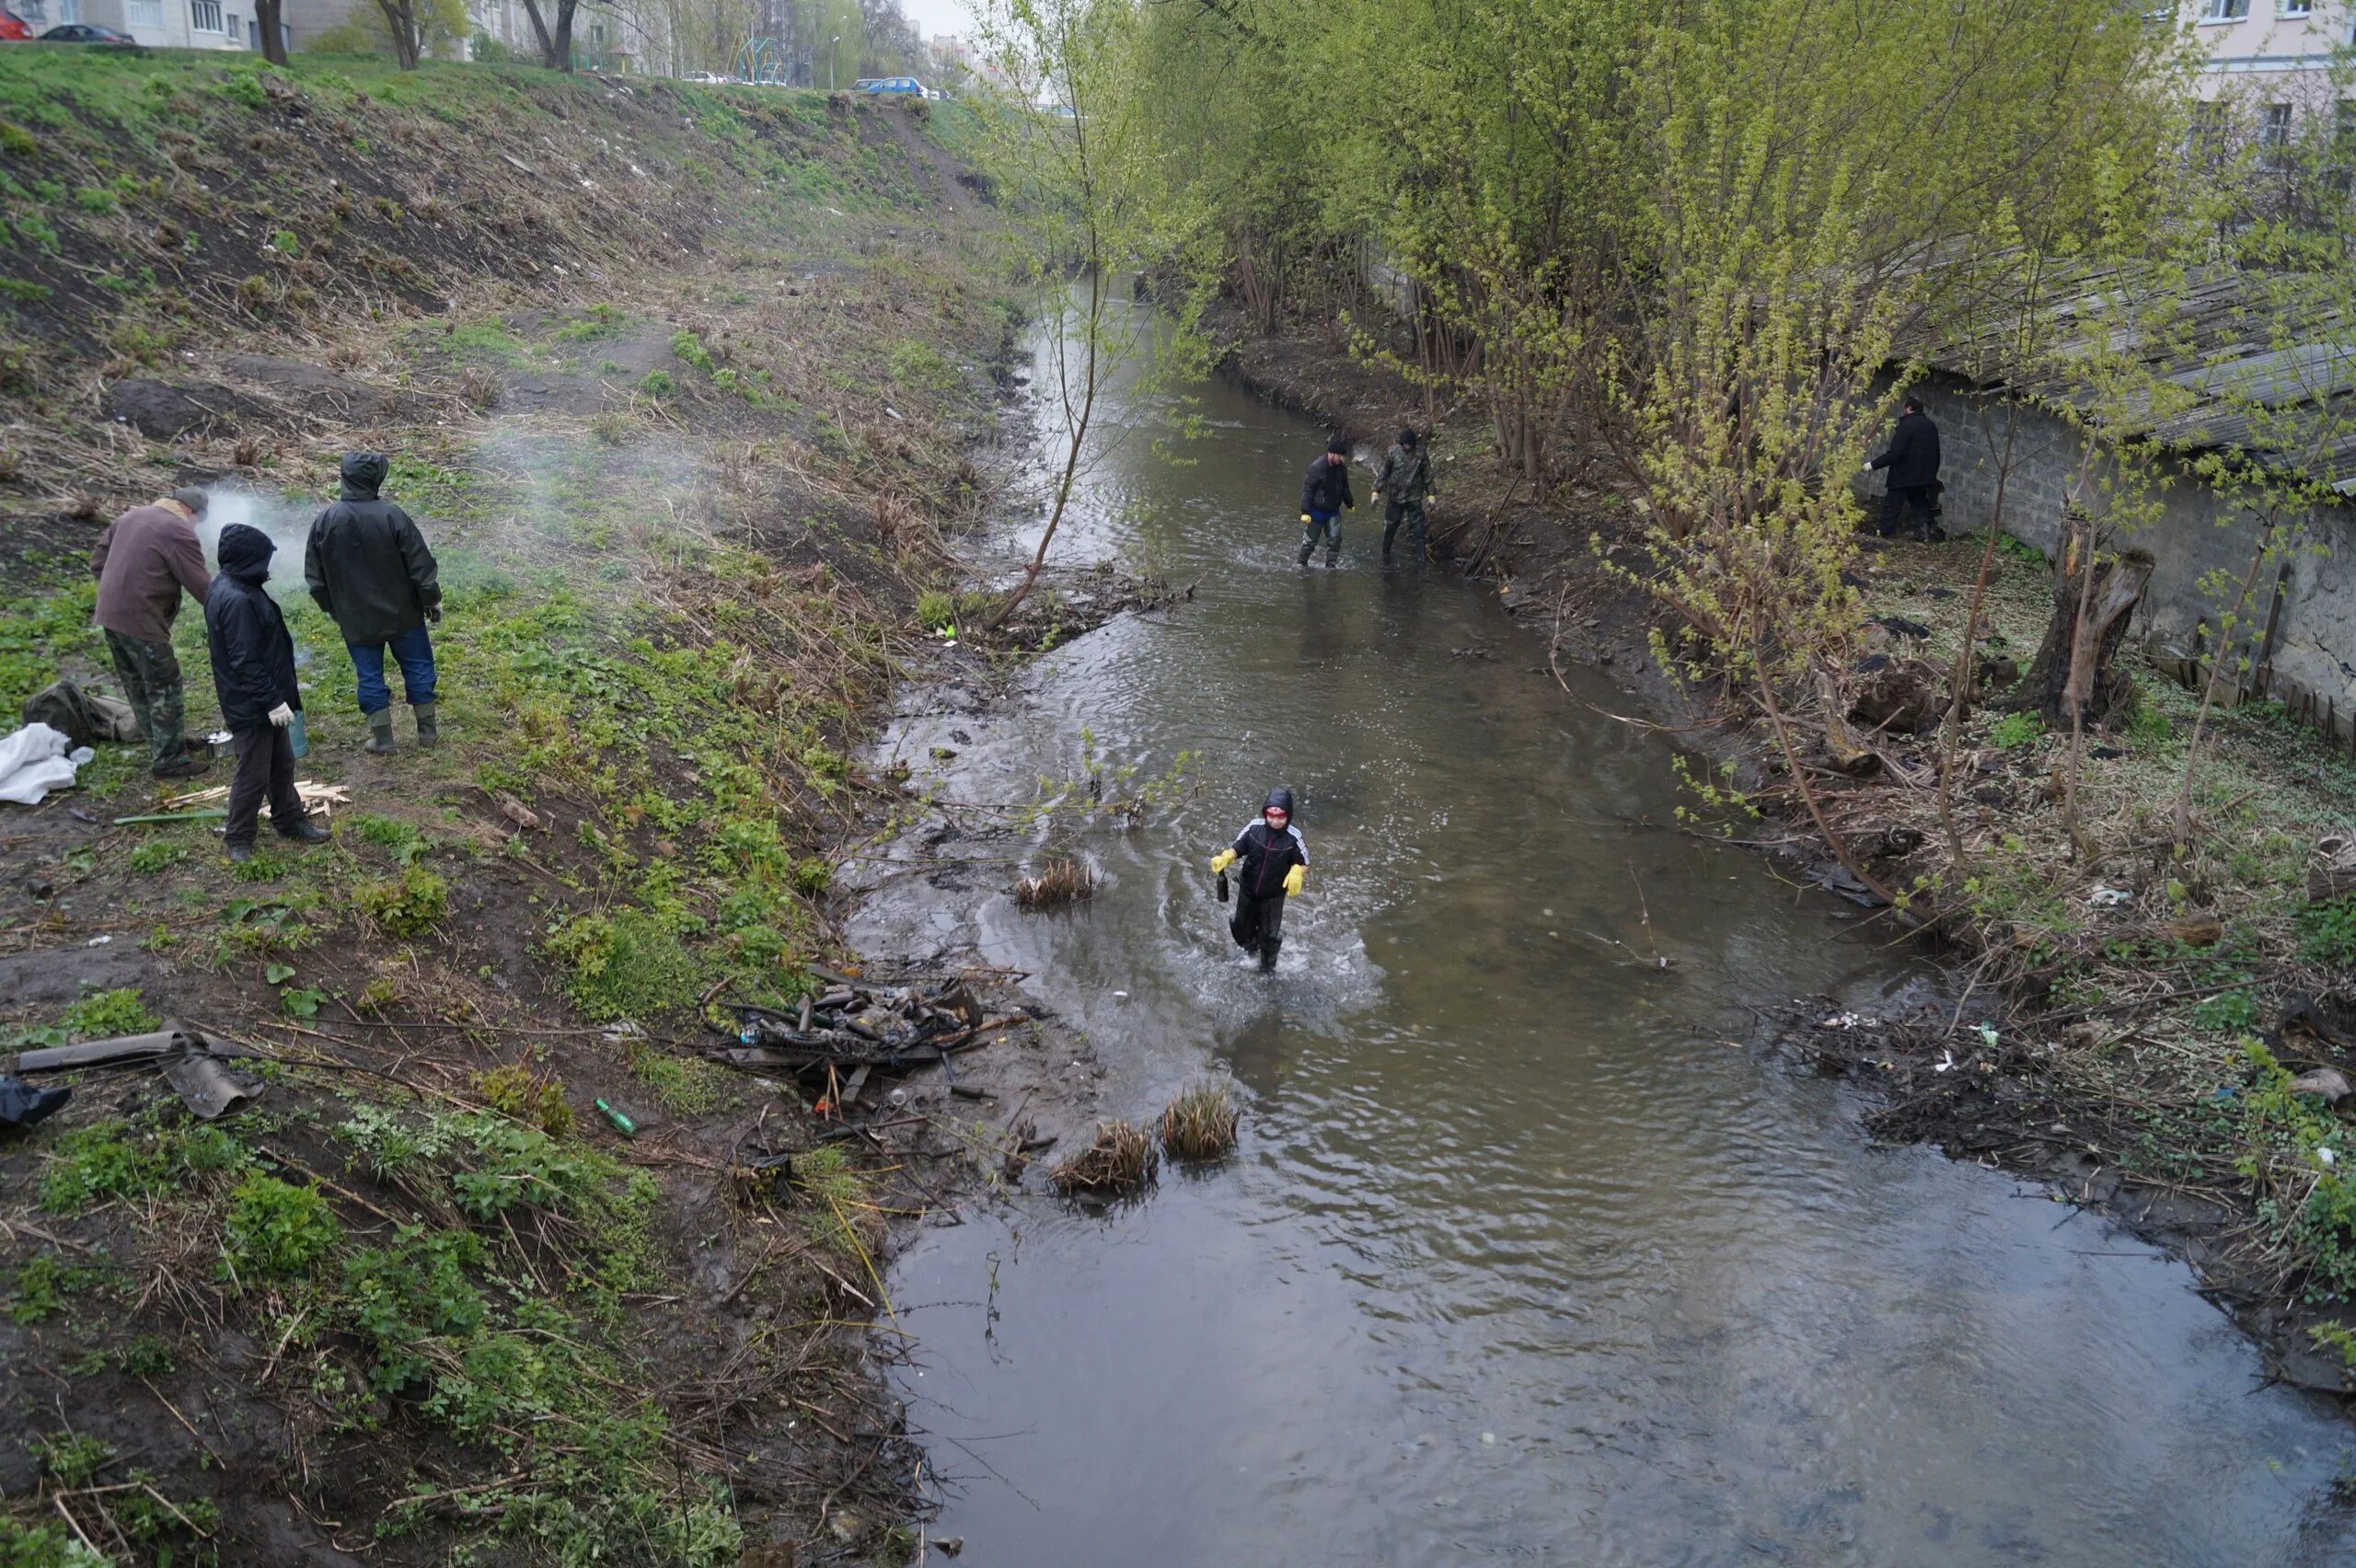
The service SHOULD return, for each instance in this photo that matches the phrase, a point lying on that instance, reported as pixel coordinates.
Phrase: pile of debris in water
(851, 1030)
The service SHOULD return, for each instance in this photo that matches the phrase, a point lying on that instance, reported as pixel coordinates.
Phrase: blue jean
(1324, 525)
(413, 650)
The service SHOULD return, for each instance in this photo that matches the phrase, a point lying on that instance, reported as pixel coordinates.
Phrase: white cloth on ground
(34, 761)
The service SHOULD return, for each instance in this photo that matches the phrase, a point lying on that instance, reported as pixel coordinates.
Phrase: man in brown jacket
(143, 561)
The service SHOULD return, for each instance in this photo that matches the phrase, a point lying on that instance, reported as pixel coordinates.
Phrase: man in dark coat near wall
(1913, 459)
(253, 673)
(368, 566)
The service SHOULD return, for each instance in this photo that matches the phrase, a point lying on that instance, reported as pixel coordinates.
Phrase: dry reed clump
(1120, 1160)
(1200, 1124)
(480, 386)
(1058, 881)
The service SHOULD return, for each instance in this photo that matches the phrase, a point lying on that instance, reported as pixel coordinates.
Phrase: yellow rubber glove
(1294, 878)
(1221, 860)
(1304, 519)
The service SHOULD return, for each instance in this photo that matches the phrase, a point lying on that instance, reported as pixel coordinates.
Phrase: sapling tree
(1086, 208)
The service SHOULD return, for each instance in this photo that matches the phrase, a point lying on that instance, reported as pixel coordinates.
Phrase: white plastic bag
(33, 762)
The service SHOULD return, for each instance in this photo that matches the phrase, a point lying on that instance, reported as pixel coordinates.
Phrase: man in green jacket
(368, 566)
(1405, 483)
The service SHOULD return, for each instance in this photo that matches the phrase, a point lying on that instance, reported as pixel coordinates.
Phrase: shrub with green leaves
(2328, 932)
(404, 842)
(626, 964)
(277, 1230)
(406, 905)
(92, 1166)
(102, 1014)
(42, 1285)
(72, 1459)
(2016, 730)
(42, 1546)
(155, 855)
(521, 1095)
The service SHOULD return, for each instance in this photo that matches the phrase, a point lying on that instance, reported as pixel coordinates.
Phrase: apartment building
(160, 24)
(2273, 57)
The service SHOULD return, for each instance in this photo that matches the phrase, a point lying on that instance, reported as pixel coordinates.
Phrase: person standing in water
(1324, 496)
(1271, 864)
(1405, 483)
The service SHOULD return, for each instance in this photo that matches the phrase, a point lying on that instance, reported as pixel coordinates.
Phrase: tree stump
(2075, 673)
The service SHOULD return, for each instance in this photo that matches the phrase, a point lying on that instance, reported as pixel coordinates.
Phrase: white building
(160, 24)
(2274, 57)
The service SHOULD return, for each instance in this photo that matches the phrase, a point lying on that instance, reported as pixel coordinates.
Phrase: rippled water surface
(1521, 1259)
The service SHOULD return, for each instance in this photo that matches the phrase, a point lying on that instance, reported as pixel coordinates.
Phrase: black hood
(245, 553)
(1281, 799)
(363, 475)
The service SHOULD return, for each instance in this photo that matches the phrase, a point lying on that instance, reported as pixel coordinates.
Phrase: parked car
(85, 32)
(884, 86)
(12, 27)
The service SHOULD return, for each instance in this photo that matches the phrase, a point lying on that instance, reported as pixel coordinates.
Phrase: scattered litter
(622, 1123)
(195, 1064)
(21, 1104)
(2110, 897)
(1946, 1063)
(522, 815)
(1488, 1439)
(2327, 1157)
(854, 1030)
(35, 760)
(1842, 1021)
(1988, 1035)
(97, 941)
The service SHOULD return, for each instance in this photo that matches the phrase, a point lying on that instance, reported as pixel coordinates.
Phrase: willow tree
(1087, 206)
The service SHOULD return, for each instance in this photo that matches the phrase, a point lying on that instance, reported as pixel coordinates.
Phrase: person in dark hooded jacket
(253, 674)
(368, 566)
(1324, 496)
(1271, 864)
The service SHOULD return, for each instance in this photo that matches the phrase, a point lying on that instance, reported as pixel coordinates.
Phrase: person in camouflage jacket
(1404, 483)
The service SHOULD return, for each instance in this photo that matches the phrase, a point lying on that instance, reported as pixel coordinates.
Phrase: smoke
(285, 518)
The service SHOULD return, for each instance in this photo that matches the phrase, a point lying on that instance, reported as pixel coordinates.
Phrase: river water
(1524, 1256)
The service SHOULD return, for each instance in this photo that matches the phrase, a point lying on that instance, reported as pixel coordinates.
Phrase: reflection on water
(1522, 1258)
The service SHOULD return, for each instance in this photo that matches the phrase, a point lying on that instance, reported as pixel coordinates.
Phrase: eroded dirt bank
(686, 388)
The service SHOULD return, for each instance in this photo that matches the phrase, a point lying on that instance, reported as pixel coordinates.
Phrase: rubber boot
(380, 733)
(1268, 948)
(429, 732)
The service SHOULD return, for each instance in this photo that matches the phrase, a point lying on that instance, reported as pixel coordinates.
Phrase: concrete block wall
(2197, 541)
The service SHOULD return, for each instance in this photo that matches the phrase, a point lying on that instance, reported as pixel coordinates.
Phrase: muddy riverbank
(1536, 1243)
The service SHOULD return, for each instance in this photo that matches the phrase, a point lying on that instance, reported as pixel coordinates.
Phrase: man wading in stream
(1271, 864)
(1404, 484)
(1324, 496)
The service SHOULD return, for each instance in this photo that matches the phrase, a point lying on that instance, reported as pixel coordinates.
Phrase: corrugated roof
(2232, 366)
